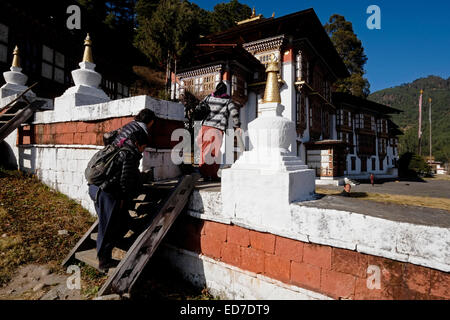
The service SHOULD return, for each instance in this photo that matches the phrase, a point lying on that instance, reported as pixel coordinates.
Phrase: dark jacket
(128, 129)
(124, 182)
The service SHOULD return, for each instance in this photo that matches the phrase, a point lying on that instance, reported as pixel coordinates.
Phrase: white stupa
(15, 79)
(261, 185)
(86, 90)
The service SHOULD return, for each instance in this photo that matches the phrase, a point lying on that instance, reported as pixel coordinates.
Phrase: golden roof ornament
(16, 58)
(87, 56)
(272, 91)
(253, 17)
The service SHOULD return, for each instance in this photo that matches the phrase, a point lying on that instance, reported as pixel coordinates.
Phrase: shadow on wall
(7, 159)
(27, 159)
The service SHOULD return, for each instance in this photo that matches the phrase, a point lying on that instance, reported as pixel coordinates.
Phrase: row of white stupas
(85, 91)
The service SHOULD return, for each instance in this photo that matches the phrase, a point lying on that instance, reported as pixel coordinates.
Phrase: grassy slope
(406, 97)
(31, 215)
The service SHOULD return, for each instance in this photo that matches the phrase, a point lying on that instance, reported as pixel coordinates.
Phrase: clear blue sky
(414, 40)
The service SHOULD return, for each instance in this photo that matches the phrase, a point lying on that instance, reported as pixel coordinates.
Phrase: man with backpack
(121, 183)
(214, 124)
(143, 121)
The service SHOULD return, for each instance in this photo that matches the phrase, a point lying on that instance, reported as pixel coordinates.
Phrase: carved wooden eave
(304, 87)
(314, 55)
(274, 43)
(201, 71)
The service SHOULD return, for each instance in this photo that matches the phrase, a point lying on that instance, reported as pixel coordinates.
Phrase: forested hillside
(406, 97)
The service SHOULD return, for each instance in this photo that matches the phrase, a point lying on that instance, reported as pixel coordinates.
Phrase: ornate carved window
(373, 125)
(299, 66)
(4, 30)
(301, 113)
(339, 117)
(208, 83)
(52, 66)
(325, 123)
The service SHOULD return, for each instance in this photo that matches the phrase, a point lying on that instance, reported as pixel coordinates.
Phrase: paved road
(427, 188)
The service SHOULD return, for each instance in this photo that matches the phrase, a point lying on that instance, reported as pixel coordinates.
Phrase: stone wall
(249, 264)
(325, 252)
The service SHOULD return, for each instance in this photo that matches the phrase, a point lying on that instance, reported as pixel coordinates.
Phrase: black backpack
(99, 167)
(109, 137)
(202, 110)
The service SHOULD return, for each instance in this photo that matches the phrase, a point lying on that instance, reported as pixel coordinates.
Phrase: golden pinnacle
(87, 56)
(16, 59)
(272, 91)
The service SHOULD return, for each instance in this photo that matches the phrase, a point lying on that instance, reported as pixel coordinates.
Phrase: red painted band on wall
(338, 273)
(91, 133)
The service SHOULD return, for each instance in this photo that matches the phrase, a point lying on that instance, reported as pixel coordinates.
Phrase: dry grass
(440, 177)
(31, 215)
(436, 203)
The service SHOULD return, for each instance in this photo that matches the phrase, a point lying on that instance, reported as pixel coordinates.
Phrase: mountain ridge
(406, 98)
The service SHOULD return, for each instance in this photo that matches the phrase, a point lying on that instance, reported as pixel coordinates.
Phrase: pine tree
(352, 53)
(225, 15)
(169, 34)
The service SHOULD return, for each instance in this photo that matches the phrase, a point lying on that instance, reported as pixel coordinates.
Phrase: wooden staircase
(153, 212)
(17, 112)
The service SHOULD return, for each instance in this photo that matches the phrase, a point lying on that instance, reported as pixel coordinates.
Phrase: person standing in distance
(210, 137)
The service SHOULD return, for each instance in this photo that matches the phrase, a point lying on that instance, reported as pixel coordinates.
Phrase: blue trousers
(113, 221)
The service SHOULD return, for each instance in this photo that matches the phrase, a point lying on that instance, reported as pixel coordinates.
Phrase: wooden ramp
(153, 212)
(17, 112)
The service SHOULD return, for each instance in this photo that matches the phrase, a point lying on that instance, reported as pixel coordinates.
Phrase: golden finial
(272, 92)
(421, 91)
(273, 14)
(430, 100)
(16, 59)
(87, 56)
(253, 17)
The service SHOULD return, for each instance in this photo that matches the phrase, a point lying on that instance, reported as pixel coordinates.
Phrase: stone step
(295, 168)
(122, 246)
(90, 257)
(294, 163)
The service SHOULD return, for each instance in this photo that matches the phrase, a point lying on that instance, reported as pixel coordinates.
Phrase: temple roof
(394, 129)
(341, 97)
(300, 25)
(214, 54)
